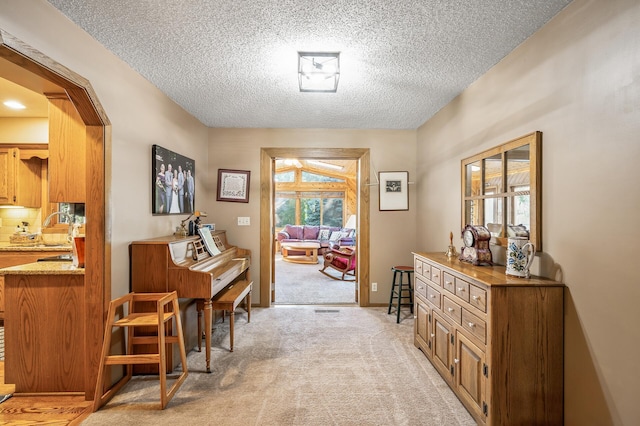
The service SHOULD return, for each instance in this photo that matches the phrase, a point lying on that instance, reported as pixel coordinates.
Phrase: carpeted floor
(304, 284)
(300, 365)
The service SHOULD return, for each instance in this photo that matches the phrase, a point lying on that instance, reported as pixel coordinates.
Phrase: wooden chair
(156, 318)
(343, 260)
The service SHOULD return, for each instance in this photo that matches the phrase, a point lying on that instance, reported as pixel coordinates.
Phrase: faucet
(47, 221)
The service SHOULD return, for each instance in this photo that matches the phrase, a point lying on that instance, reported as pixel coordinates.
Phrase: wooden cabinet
(20, 179)
(14, 258)
(496, 340)
(67, 151)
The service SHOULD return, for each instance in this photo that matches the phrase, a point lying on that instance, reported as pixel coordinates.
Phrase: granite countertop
(43, 268)
(41, 247)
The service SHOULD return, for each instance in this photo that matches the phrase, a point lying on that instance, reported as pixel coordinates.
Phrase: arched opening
(97, 278)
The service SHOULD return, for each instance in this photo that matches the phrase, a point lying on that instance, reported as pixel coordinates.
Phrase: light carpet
(300, 365)
(304, 284)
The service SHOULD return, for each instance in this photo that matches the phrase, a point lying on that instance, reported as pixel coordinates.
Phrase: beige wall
(24, 130)
(140, 116)
(391, 150)
(578, 81)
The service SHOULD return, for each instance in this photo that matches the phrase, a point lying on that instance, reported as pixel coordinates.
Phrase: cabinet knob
(450, 309)
(471, 325)
(433, 296)
(475, 297)
(448, 282)
(433, 335)
(456, 360)
(460, 289)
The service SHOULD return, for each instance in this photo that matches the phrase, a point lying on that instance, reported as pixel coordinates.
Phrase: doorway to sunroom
(315, 206)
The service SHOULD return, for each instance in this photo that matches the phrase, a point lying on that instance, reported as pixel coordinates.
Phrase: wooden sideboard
(496, 340)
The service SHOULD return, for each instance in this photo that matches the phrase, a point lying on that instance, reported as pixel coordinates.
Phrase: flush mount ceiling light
(14, 105)
(318, 71)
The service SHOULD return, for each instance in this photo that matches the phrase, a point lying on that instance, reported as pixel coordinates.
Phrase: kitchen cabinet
(20, 179)
(496, 340)
(67, 151)
(14, 256)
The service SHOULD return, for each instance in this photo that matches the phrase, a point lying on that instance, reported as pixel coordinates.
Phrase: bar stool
(157, 319)
(401, 289)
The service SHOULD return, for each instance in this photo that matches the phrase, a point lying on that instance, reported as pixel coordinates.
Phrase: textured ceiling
(233, 63)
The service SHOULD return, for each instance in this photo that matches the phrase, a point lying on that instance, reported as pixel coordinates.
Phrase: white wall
(578, 81)
(140, 116)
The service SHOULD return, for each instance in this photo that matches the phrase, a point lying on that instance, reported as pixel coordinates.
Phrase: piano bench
(229, 299)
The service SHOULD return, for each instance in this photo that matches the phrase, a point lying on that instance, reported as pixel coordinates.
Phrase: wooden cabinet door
(8, 175)
(442, 345)
(470, 380)
(67, 152)
(422, 337)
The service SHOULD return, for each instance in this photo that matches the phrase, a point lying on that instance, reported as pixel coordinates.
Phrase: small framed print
(394, 190)
(233, 185)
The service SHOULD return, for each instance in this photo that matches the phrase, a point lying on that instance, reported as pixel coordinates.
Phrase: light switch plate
(244, 221)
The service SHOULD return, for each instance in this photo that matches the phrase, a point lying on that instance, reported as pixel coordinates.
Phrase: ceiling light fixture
(323, 164)
(14, 105)
(318, 71)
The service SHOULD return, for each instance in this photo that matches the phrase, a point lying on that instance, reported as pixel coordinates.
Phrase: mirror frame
(534, 140)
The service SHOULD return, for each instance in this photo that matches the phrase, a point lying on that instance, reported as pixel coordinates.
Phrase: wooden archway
(98, 136)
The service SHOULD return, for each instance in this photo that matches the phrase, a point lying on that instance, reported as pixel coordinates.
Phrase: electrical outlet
(374, 286)
(244, 221)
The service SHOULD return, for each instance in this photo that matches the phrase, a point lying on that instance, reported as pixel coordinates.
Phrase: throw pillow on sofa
(335, 236)
(324, 234)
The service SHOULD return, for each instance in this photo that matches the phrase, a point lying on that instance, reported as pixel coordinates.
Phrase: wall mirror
(501, 189)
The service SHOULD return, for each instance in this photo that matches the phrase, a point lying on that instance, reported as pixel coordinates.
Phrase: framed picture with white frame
(394, 191)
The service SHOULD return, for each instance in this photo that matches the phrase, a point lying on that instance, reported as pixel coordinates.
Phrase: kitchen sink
(60, 258)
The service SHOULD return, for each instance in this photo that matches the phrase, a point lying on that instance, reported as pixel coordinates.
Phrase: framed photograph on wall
(394, 190)
(233, 185)
(173, 190)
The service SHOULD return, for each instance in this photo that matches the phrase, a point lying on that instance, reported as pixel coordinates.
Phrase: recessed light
(14, 105)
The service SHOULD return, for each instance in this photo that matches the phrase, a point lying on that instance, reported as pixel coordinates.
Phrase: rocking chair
(342, 260)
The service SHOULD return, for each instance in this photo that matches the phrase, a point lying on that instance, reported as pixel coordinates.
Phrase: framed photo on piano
(173, 188)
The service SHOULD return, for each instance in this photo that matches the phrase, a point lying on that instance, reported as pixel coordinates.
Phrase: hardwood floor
(41, 409)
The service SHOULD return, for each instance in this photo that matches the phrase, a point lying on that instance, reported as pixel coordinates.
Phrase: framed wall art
(233, 185)
(394, 190)
(173, 189)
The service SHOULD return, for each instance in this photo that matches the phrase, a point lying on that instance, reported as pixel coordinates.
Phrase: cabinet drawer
(435, 275)
(478, 298)
(421, 288)
(451, 309)
(474, 325)
(433, 296)
(449, 283)
(462, 289)
(417, 265)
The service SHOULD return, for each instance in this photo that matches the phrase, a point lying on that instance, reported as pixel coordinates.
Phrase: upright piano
(183, 264)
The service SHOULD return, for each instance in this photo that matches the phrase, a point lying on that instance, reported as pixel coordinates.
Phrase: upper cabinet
(502, 187)
(20, 179)
(67, 151)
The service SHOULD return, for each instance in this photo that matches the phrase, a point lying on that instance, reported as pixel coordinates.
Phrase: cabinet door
(422, 336)
(8, 175)
(442, 346)
(67, 152)
(470, 380)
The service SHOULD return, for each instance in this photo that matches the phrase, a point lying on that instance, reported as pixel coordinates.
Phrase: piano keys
(182, 264)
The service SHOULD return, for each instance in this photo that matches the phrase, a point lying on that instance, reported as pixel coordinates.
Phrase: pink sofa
(326, 236)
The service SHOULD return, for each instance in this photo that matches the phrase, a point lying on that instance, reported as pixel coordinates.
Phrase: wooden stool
(400, 289)
(157, 319)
